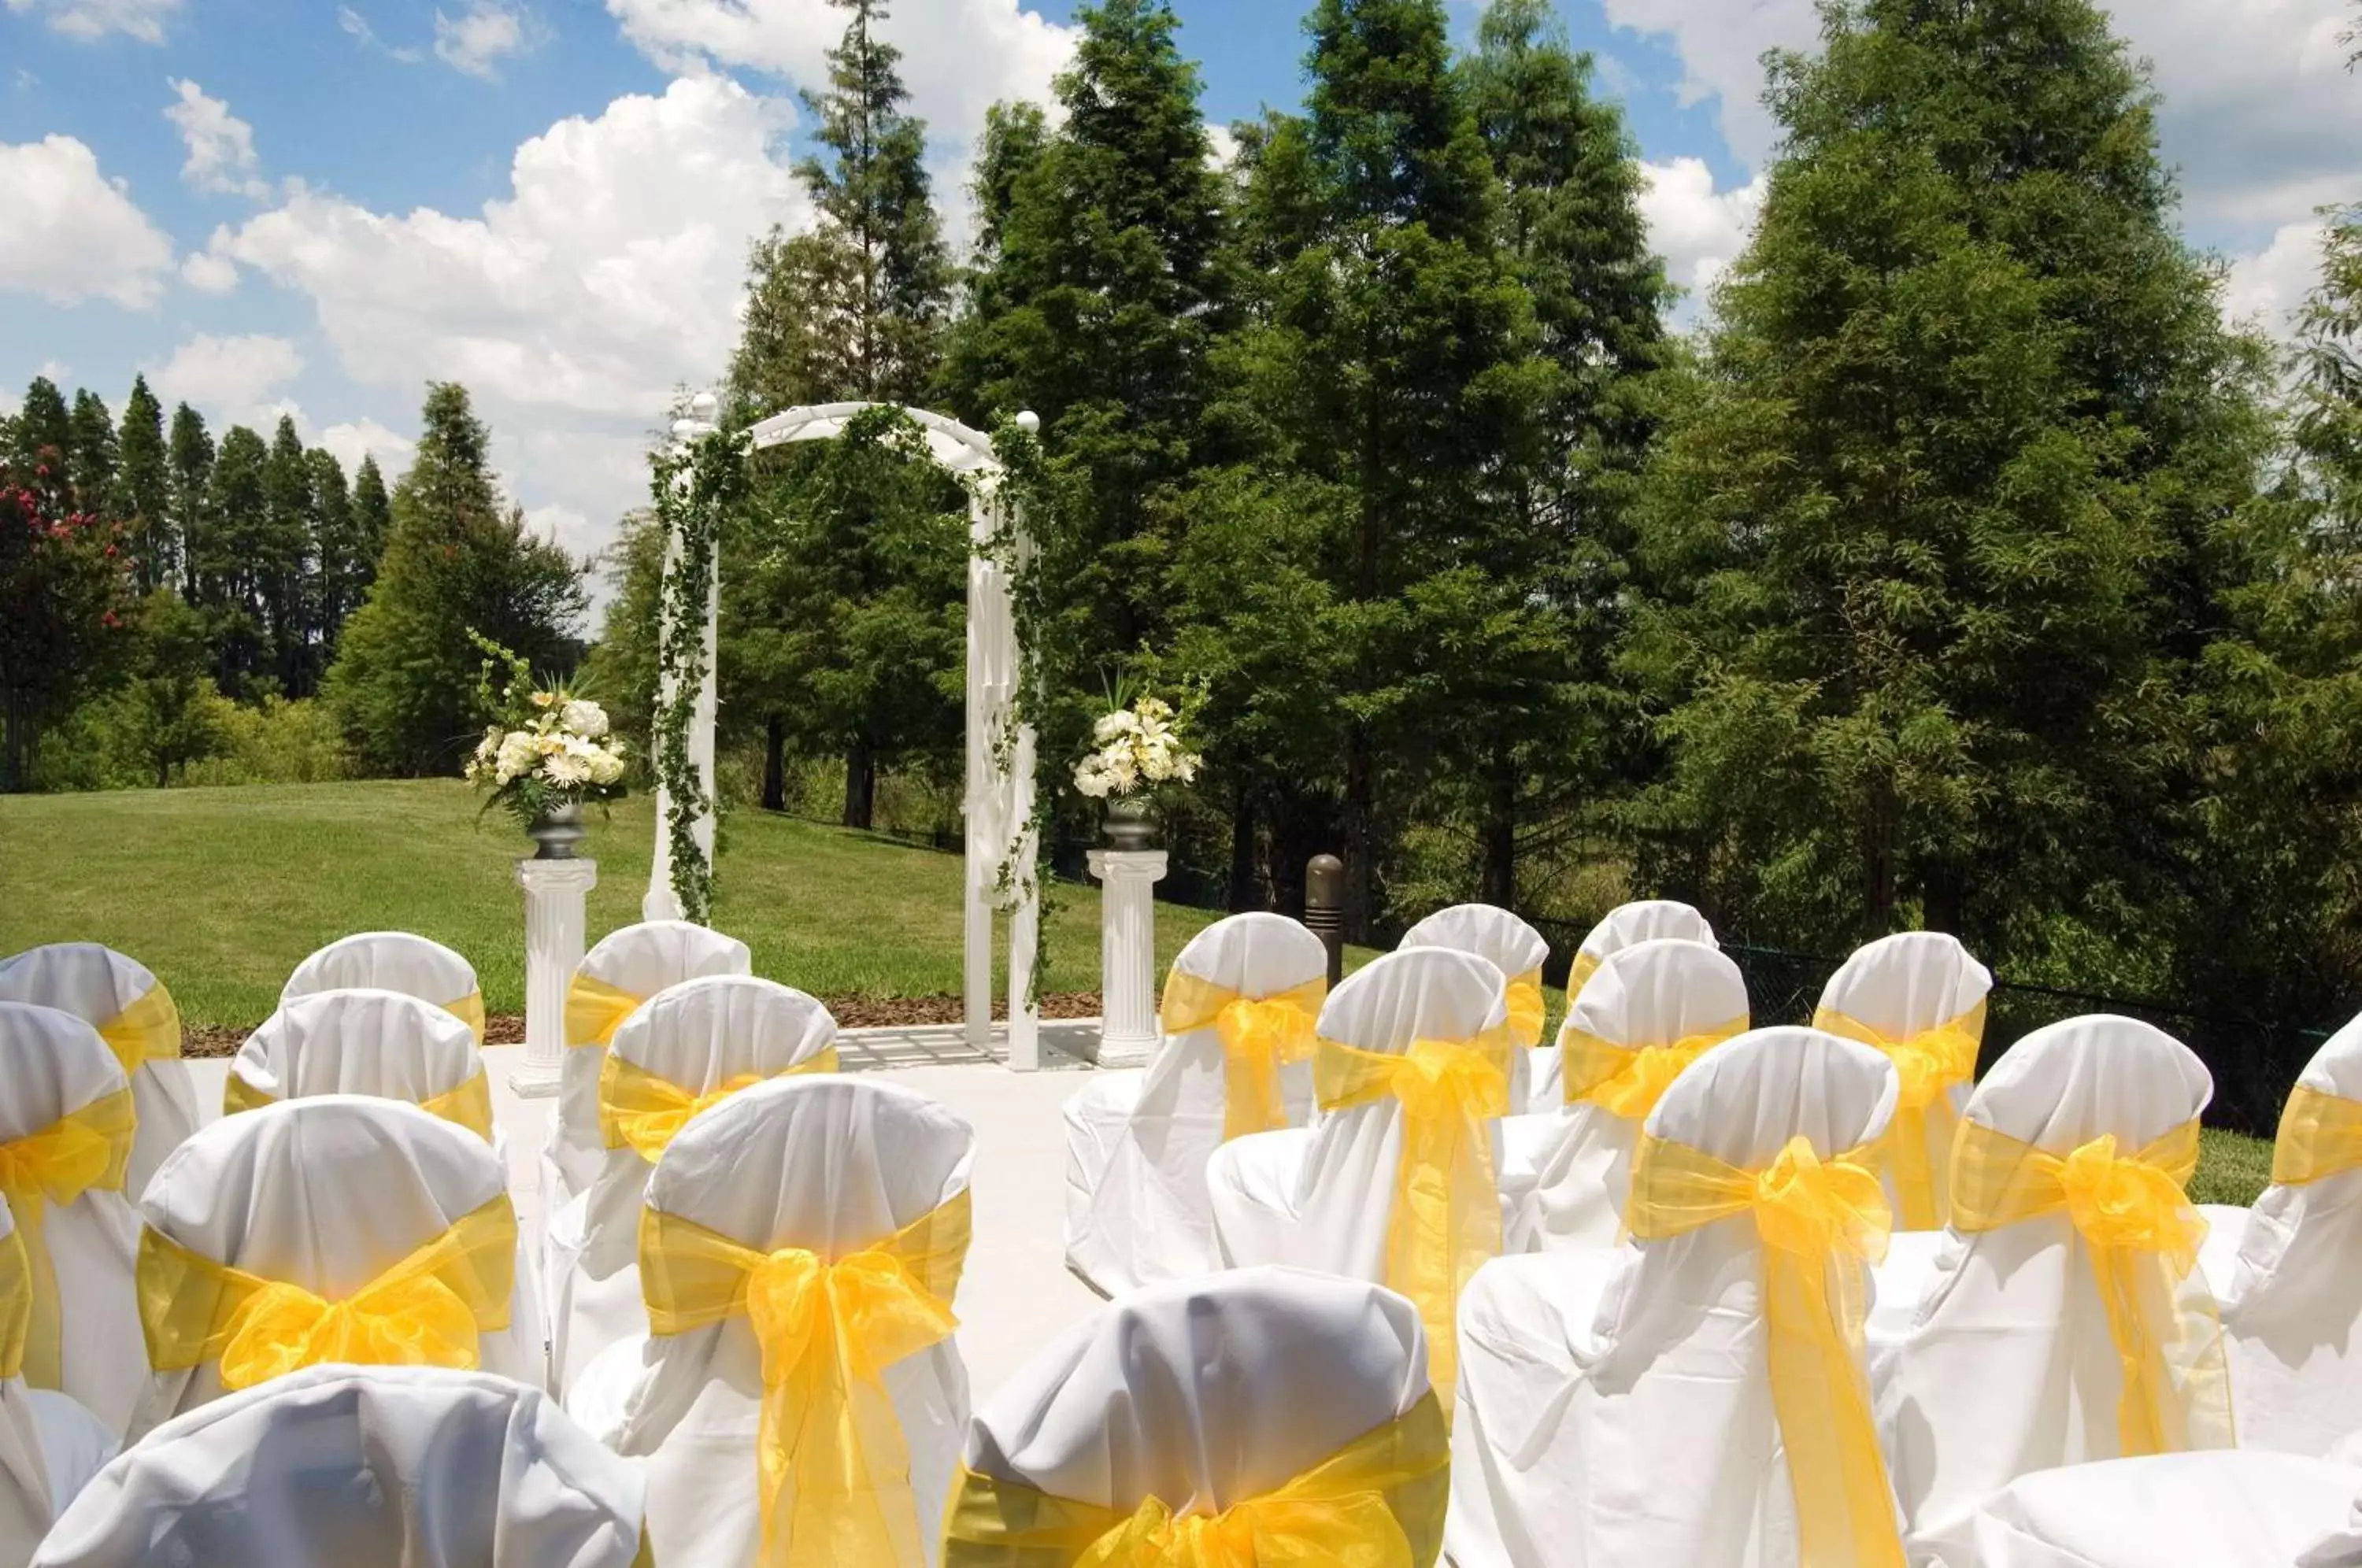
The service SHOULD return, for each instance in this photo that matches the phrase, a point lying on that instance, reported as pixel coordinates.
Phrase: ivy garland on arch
(714, 467)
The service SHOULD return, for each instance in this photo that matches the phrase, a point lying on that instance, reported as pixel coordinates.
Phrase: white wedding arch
(998, 796)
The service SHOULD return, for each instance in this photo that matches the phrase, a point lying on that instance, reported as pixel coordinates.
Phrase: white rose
(518, 751)
(605, 768)
(584, 718)
(1109, 726)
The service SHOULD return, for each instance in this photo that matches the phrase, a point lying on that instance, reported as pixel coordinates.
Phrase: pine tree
(144, 489)
(286, 568)
(40, 446)
(373, 516)
(458, 560)
(189, 484)
(91, 455)
(226, 558)
(1926, 541)
(343, 575)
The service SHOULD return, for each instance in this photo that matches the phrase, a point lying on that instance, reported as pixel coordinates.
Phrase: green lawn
(223, 891)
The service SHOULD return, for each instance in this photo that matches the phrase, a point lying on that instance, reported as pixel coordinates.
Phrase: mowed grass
(223, 891)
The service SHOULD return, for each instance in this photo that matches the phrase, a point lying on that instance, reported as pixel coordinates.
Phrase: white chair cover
(1204, 1393)
(1137, 1142)
(2293, 1310)
(1616, 1406)
(1645, 920)
(697, 1036)
(361, 1467)
(385, 1043)
(50, 1448)
(2006, 1364)
(1512, 946)
(828, 1163)
(325, 1193)
(1321, 1198)
(1567, 1169)
(1899, 985)
(639, 960)
(51, 1064)
(96, 984)
(392, 961)
(2223, 1509)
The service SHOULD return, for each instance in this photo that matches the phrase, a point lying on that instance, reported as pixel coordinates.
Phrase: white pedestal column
(1128, 1032)
(555, 893)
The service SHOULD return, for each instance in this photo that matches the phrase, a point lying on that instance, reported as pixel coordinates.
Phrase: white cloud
(93, 19)
(228, 379)
(221, 146)
(1698, 229)
(959, 56)
(2263, 289)
(208, 273)
(356, 26)
(1222, 145)
(72, 233)
(475, 42)
(353, 440)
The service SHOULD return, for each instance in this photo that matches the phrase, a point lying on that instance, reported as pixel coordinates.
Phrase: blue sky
(311, 209)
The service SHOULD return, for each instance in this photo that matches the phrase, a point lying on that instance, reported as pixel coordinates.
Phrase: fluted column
(1128, 878)
(556, 894)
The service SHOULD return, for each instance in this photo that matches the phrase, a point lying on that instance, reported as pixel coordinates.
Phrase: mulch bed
(851, 1012)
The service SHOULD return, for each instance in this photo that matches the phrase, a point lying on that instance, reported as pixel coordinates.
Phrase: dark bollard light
(1324, 908)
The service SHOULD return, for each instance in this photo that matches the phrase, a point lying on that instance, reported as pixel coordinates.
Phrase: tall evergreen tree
(144, 489)
(189, 484)
(92, 454)
(1928, 543)
(286, 572)
(342, 574)
(41, 444)
(372, 514)
(225, 560)
(458, 560)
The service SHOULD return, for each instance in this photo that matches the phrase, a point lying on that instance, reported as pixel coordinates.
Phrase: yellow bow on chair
(1378, 1502)
(1930, 1063)
(16, 1304)
(1260, 1035)
(1627, 1081)
(594, 1010)
(431, 1309)
(470, 1105)
(2319, 1135)
(83, 1152)
(2133, 1213)
(835, 1466)
(1523, 997)
(148, 1031)
(640, 1111)
(1821, 1224)
(469, 1010)
(1445, 1219)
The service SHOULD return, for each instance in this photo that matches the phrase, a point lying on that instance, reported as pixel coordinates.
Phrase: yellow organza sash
(1260, 1035)
(835, 1466)
(594, 1009)
(430, 1309)
(1526, 1009)
(148, 1031)
(2132, 1212)
(1378, 1502)
(1930, 1063)
(2321, 1135)
(638, 1109)
(1445, 1221)
(16, 1304)
(83, 1152)
(1627, 1081)
(1579, 973)
(468, 1106)
(1822, 1223)
(469, 1010)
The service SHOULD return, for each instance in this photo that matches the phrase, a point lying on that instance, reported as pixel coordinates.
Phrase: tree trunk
(775, 763)
(1244, 894)
(12, 754)
(1500, 880)
(860, 785)
(1878, 865)
(1945, 894)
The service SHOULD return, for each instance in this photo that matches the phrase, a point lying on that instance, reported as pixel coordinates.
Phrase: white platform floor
(1016, 1295)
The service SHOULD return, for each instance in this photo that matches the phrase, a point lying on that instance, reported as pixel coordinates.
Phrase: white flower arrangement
(547, 748)
(1138, 748)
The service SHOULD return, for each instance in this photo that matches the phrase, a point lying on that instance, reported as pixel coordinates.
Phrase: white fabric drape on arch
(96, 984)
(1616, 1404)
(639, 960)
(1510, 946)
(2001, 1361)
(824, 1163)
(361, 1467)
(2227, 1509)
(698, 1036)
(1137, 1142)
(52, 1064)
(1643, 919)
(1565, 1169)
(327, 1194)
